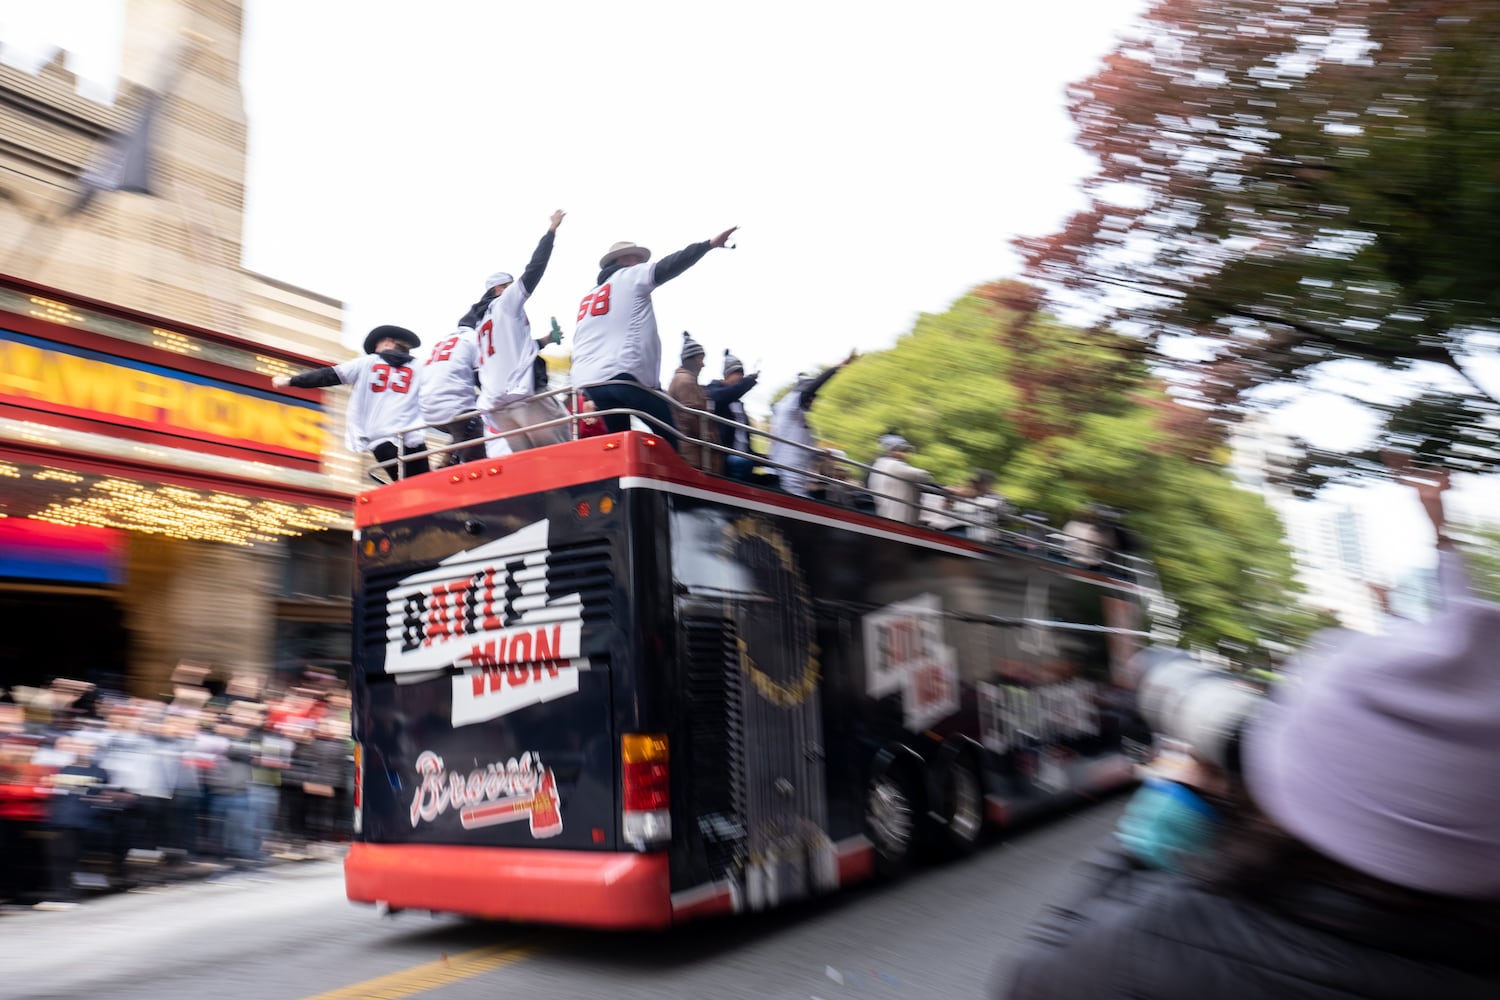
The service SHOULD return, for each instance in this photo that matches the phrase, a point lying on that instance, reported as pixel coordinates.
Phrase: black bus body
(595, 686)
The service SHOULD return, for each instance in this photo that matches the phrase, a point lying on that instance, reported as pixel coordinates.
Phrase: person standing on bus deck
(384, 416)
(616, 339)
(449, 390)
(469, 320)
(894, 481)
(693, 419)
(792, 449)
(724, 397)
(507, 357)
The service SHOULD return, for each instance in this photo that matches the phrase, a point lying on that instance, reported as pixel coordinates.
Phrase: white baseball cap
(498, 278)
(895, 442)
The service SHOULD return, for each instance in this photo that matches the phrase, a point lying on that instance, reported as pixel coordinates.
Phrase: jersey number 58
(595, 303)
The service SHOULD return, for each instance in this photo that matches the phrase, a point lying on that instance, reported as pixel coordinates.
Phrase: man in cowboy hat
(616, 340)
(384, 416)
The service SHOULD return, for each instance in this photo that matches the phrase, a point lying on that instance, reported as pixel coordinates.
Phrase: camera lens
(1204, 707)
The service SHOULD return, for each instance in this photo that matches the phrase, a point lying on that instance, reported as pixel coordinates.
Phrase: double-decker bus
(595, 686)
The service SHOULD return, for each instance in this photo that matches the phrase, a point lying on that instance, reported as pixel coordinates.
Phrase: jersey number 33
(393, 378)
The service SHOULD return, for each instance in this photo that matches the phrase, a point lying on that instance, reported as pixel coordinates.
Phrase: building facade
(1329, 540)
(158, 501)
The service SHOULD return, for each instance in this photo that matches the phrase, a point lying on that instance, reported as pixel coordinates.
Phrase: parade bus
(596, 686)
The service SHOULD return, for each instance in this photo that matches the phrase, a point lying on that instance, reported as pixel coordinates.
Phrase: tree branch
(1436, 354)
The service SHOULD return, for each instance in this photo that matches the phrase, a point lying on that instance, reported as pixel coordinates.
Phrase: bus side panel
(930, 648)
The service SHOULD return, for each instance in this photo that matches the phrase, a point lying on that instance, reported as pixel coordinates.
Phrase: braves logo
(521, 788)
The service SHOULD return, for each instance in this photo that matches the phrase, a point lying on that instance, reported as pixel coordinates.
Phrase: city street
(289, 933)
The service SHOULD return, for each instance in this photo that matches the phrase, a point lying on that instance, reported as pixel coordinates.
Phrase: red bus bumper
(581, 888)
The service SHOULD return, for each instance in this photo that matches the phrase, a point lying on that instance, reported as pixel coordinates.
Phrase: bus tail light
(645, 785)
(359, 786)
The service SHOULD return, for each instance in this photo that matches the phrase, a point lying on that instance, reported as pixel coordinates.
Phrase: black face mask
(396, 356)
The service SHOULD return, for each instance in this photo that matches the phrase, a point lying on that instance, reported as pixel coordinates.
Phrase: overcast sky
(879, 157)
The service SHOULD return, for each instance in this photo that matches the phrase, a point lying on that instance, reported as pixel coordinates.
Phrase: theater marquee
(114, 419)
(79, 383)
(68, 366)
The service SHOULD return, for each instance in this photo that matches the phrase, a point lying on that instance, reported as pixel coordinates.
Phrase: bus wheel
(892, 811)
(965, 819)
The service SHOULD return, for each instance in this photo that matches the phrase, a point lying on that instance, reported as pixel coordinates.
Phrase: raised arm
(1430, 485)
(674, 264)
(722, 393)
(811, 392)
(543, 253)
(1430, 489)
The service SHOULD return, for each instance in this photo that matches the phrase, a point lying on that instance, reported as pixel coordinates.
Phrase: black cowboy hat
(401, 333)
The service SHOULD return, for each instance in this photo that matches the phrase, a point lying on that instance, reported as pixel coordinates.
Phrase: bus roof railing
(994, 524)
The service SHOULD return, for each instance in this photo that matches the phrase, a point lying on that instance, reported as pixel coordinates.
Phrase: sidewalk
(154, 871)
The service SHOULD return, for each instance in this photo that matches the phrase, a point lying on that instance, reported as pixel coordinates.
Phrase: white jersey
(506, 350)
(894, 483)
(382, 402)
(616, 331)
(789, 420)
(447, 376)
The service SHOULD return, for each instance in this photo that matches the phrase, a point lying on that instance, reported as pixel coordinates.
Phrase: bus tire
(893, 816)
(963, 813)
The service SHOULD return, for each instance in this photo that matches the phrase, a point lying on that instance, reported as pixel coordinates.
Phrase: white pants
(519, 419)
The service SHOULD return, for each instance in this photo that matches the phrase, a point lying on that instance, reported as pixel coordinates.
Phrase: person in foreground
(1354, 854)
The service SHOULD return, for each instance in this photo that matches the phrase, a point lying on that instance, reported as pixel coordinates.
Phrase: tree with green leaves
(1067, 418)
(1482, 548)
(1301, 195)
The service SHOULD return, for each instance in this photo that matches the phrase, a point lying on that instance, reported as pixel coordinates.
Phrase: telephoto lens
(1184, 699)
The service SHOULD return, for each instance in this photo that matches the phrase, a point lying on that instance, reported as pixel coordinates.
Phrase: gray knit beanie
(690, 347)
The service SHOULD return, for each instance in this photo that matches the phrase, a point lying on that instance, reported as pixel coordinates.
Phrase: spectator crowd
(101, 790)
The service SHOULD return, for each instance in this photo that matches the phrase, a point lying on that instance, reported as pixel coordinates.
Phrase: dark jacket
(1142, 933)
(232, 771)
(724, 401)
(79, 793)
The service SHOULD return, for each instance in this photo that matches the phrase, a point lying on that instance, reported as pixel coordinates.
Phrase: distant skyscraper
(1327, 538)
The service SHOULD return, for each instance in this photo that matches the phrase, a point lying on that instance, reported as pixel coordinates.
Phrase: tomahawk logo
(486, 607)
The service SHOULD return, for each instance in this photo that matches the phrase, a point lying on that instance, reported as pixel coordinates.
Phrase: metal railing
(988, 520)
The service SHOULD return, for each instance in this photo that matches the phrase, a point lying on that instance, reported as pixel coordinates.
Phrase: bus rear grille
(716, 737)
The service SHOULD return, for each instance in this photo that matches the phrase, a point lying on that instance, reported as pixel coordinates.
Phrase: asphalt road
(945, 931)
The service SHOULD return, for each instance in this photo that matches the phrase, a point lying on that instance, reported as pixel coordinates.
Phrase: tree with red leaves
(1302, 194)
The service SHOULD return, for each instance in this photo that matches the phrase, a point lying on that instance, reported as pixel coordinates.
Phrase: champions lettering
(122, 395)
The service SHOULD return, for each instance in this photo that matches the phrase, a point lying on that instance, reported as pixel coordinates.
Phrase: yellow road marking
(421, 978)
